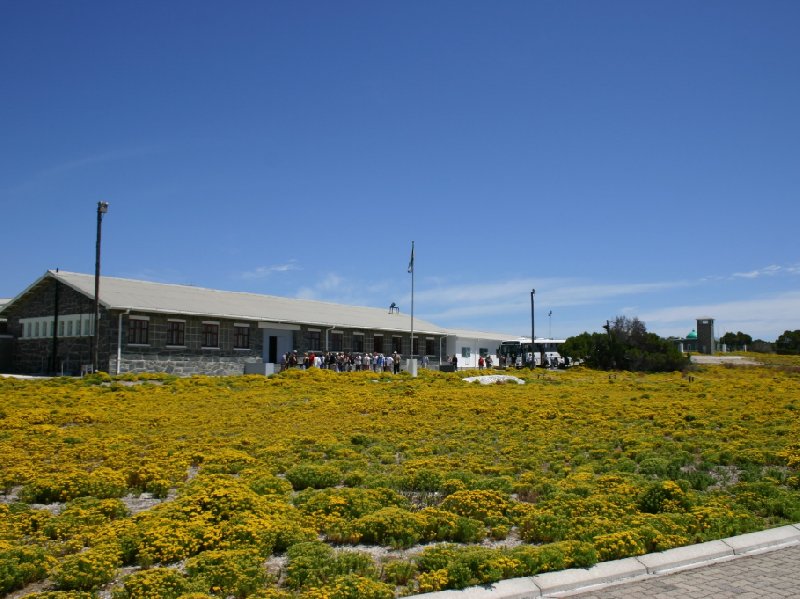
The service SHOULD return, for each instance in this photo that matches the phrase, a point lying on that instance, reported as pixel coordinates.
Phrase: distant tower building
(705, 336)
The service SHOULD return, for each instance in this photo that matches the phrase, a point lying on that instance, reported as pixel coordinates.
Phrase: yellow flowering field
(314, 484)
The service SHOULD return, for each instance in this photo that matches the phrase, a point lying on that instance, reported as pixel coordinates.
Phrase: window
(60, 328)
(314, 340)
(241, 336)
(483, 352)
(210, 334)
(69, 328)
(337, 341)
(176, 330)
(358, 342)
(86, 325)
(397, 344)
(377, 344)
(430, 347)
(415, 346)
(37, 330)
(138, 329)
(465, 352)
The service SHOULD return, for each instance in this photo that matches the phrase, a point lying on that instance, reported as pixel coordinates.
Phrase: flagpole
(411, 266)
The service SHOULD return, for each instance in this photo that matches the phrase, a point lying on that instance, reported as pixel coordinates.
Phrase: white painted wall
(457, 344)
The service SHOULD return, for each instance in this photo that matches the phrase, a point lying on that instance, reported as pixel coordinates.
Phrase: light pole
(533, 331)
(102, 208)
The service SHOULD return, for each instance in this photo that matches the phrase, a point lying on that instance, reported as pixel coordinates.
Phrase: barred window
(358, 343)
(337, 341)
(210, 334)
(241, 337)
(176, 330)
(138, 331)
(314, 340)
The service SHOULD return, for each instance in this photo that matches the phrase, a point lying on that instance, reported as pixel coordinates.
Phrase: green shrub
(235, 572)
(20, 566)
(440, 525)
(156, 583)
(544, 527)
(351, 586)
(666, 496)
(308, 564)
(310, 476)
(347, 503)
(88, 570)
(399, 572)
(391, 526)
(490, 507)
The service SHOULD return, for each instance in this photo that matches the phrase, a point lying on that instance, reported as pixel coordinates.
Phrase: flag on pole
(551, 313)
(411, 262)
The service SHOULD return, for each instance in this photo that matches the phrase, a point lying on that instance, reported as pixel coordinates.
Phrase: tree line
(627, 345)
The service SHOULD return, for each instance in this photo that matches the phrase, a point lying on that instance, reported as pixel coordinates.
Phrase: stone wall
(182, 364)
(61, 355)
(189, 358)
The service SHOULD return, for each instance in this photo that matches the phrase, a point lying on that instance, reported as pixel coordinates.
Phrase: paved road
(772, 574)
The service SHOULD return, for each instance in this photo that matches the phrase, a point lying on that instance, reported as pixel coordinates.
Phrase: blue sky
(620, 157)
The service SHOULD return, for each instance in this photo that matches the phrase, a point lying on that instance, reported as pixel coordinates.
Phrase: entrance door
(273, 349)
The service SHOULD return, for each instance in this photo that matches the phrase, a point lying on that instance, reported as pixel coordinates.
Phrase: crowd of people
(346, 362)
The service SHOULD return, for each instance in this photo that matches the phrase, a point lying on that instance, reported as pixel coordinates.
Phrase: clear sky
(620, 157)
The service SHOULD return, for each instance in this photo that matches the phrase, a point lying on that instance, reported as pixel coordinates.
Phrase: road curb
(564, 582)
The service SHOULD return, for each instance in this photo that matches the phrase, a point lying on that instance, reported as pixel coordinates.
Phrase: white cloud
(262, 272)
(768, 271)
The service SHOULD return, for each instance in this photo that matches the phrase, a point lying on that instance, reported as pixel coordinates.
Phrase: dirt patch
(732, 360)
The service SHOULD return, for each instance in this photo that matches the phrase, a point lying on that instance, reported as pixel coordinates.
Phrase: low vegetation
(317, 485)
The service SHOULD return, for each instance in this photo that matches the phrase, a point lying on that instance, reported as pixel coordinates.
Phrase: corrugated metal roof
(146, 296)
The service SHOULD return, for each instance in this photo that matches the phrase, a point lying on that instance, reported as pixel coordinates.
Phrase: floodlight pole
(102, 208)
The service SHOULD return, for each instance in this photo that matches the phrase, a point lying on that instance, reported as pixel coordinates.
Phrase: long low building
(156, 327)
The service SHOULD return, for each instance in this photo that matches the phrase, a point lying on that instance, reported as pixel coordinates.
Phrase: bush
(20, 566)
(391, 526)
(489, 507)
(308, 564)
(157, 583)
(440, 525)
(88, 570)
(235, 572)
(310, 476)
(666, 496)
(351, 586)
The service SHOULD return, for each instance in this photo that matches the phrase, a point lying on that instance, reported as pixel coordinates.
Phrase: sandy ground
(735, 360)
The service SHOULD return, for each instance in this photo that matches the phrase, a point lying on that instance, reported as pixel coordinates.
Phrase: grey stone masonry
(64, 354)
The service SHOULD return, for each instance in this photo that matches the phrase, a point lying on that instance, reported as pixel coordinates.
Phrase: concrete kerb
(554, 584)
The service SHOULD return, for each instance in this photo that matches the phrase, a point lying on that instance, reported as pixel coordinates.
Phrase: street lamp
(533, 331)
(102, 208)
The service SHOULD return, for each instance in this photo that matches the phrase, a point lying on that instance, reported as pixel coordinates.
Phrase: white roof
(468, 334)
(145, 296)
